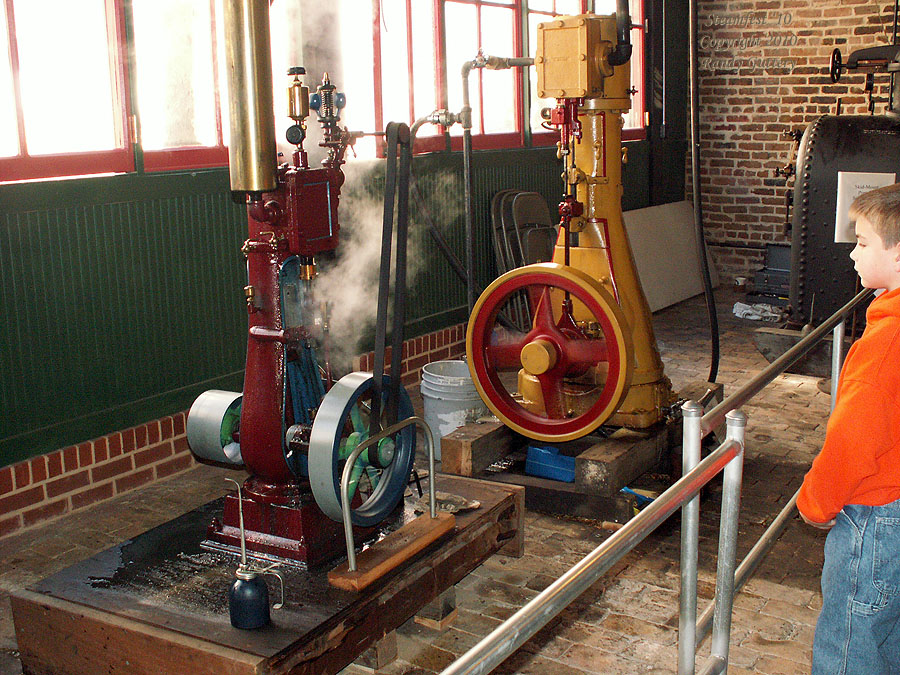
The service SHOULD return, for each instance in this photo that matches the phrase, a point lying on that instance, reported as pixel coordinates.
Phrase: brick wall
(448, 343)
(764, 71)
(73, 478)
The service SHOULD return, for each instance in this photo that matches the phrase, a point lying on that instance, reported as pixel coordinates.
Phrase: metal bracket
(348, 469)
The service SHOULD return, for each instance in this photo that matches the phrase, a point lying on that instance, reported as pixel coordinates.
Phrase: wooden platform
(158, 603)
(605, 462)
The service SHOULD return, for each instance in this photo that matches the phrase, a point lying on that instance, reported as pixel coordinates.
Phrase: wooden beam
(392, 551)
(474, 447)
(56, 636)
(612, 463)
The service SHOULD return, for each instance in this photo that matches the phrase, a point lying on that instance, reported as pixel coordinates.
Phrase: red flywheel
(549, 351)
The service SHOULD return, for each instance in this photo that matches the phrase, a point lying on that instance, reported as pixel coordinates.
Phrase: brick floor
(626, 622)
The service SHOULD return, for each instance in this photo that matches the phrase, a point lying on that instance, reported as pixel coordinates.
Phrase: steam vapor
(350, 283)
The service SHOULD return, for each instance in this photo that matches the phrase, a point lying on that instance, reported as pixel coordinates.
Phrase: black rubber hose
(391, 132)
(400, 276)
(698, 211)
(622, 53)
(439, 238)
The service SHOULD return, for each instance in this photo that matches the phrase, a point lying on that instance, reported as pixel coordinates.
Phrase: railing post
(690, 530)
(837, 358)
(736, 421)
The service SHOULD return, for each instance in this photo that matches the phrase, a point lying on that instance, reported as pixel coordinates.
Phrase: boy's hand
(821, 526)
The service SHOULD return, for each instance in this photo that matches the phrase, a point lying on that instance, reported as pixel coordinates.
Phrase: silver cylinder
(837, 360)
(205, 423)
(690, 533)
(736, 422)
(251, 151)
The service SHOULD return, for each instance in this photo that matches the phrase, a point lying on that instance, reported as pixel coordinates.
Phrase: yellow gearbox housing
(586, 355)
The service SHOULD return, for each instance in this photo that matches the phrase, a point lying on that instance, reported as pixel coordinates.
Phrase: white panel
(665, 253)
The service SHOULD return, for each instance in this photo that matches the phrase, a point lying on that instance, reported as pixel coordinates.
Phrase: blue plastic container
(546, 462)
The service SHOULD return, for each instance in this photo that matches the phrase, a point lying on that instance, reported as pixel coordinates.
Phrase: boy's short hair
(881, 207)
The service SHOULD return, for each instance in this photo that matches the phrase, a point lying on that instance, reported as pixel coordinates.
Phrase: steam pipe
(622, 53)
(465, 119)
(443, 117)
(698, 211)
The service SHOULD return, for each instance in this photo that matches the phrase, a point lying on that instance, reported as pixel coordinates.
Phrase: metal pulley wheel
(381, 473)
(563, 377)
(212, 421)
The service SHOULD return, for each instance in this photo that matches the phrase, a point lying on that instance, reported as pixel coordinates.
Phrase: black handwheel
(836, 65)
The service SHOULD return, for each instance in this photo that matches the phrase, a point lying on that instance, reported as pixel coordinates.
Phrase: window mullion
(217, 94)
(480, 70)
(117, 50)
(410, 62)
(378, 67)
(441, 70)
(14, 65)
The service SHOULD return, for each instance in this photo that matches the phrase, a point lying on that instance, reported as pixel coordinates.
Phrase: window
(67, 110)
(178, 47)
(63, 109)
(426, 42)
(495, 95)
(634, 120)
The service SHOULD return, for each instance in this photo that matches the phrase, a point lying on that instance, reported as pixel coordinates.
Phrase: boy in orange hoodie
(853, 487)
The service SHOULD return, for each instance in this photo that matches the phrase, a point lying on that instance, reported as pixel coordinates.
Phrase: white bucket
(450, 397)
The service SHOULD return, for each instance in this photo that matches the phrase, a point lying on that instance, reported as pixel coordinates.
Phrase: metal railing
(728, 457)
(347, 512)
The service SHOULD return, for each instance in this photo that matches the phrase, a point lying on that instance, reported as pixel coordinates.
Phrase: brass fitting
(251, 296)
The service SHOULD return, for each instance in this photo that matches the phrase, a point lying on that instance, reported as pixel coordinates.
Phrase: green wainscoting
(122, 295)
(121, 299)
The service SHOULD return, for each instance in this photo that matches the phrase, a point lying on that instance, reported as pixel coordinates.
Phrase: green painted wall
(121, 299)
(122, 295)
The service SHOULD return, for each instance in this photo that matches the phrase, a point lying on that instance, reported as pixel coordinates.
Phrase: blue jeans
(858, 631)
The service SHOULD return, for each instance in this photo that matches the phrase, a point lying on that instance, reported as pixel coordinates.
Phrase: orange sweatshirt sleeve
(858, 433)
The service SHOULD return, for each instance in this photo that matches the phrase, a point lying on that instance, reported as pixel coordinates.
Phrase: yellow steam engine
(557, 349)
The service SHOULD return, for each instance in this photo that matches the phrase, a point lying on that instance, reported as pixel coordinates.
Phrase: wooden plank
(474, 447)
(56, 636)
(612, 463)
(440, 613)
(392, 551)
(380, 655)
(665, 256)
(162, 585)
(567, 499)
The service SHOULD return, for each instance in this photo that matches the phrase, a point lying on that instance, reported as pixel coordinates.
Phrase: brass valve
(252, 299)
(308, 268)
(298, 96)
